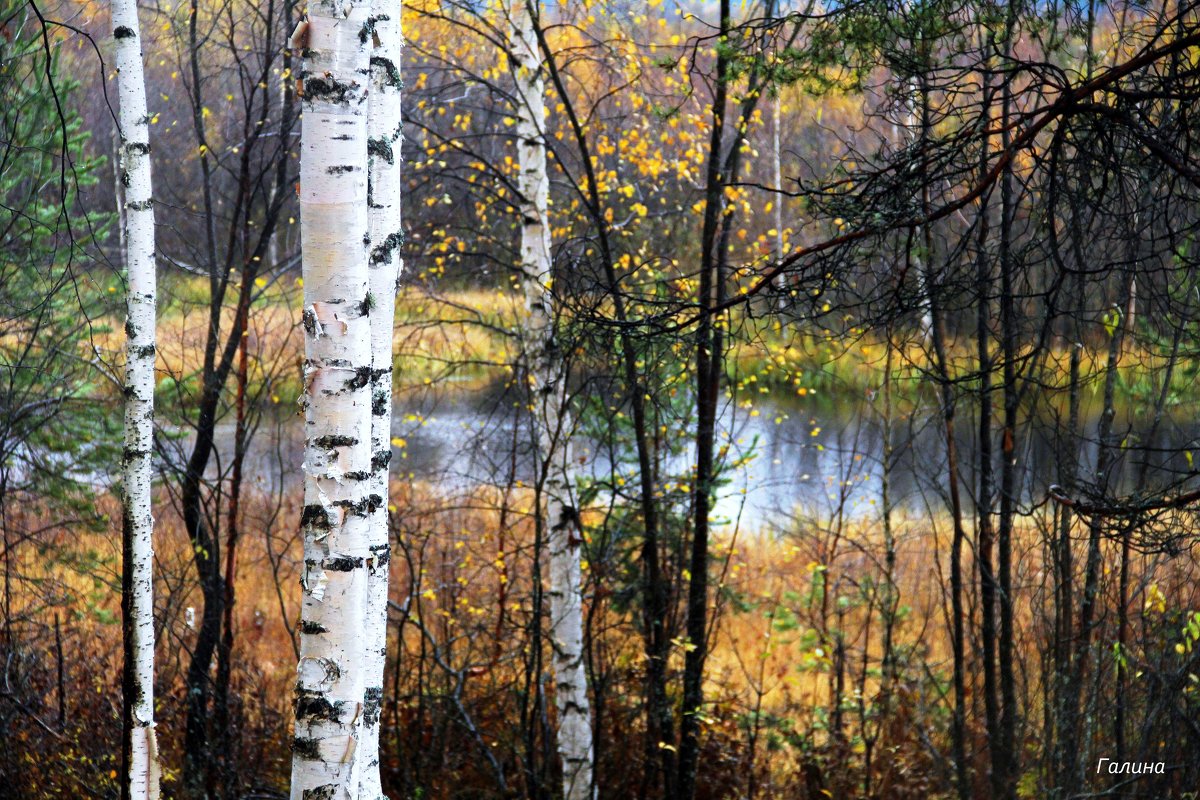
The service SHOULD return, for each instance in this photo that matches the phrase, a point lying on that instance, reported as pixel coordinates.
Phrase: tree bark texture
(384, 137)
(140, 753)
(547, 382)
(330, 705)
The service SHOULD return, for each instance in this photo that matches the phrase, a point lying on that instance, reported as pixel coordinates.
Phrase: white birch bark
(919, 259)
(383, 197)
(551, 416)
(329, 708)
(137, 212)
(777, 170)
(777, 174)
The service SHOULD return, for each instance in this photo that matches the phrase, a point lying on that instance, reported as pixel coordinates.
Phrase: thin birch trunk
(918, 125)
(551, 415)
(383, 214)
(660, 722)
(141, 778)
(328, 760)
(777, 177)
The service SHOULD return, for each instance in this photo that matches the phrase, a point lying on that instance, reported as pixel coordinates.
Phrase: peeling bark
(327, 759)
(384, 137)
(547, 381)
(139, 749)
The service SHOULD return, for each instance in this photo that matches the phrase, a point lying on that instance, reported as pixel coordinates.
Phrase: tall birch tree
(383, 199)
(139, 749)
(339, 495)
(548, 386)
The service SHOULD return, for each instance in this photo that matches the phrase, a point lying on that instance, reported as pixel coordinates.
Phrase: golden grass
(467, 336)
(462, 568)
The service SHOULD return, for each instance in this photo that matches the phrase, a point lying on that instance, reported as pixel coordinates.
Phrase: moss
(386, 66)
(382, 253)
(379, 403)
(372, 702)
(380, 148)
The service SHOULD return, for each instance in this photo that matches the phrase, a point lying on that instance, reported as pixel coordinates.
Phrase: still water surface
(808, 457)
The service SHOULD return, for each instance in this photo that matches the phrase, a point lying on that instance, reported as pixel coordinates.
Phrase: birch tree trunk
(327, 760)
(383, 200)
(140, 752)
(551, 415)
(777, 176)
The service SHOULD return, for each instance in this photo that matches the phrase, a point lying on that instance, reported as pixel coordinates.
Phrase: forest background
(880, 327)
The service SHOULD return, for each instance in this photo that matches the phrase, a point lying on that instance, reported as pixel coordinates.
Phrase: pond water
(807, 457)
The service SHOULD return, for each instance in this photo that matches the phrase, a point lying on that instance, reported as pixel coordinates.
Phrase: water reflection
(811, 457)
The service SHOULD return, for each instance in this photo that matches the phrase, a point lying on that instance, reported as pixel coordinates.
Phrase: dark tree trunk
(983, 512)
(1005, 756)
(225, 649)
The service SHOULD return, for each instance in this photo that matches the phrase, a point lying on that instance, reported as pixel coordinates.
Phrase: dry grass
(793, 611)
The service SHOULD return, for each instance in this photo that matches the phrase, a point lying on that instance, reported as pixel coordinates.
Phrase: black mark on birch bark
(382, 553)
(362, 376)
(316, 516)
(379, 405)
(328, 88)
(372, 700)
(307, 749)
(389, 70)
(382, 254)
(334, 440)
(343, 563)
(380, 148)
(313, 705)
